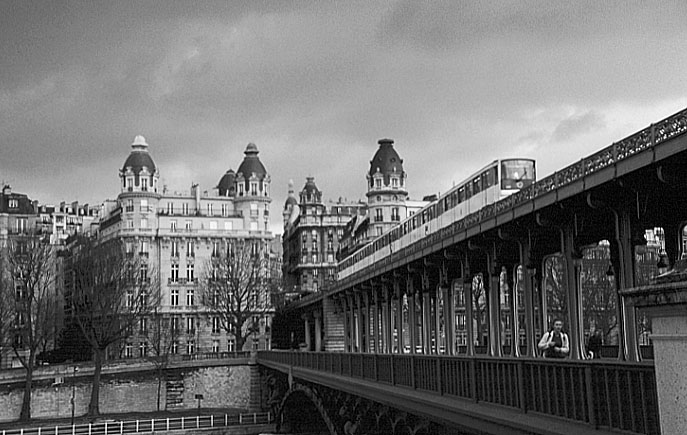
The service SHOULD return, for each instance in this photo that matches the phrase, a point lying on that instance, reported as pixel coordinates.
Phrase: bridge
(441, 335)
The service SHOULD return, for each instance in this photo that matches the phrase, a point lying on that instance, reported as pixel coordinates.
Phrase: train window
(491, 177)
(476, 185)
(468, 190)
(516, 174)
(461, 195)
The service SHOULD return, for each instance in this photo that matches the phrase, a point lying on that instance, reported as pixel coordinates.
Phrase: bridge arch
(293, 403)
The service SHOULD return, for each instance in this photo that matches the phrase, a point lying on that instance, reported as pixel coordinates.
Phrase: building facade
(313, 230)
(387, 200)
(178, 234)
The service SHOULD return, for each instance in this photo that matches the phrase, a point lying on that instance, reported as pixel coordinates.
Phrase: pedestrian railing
(611, 394)
(149, 425)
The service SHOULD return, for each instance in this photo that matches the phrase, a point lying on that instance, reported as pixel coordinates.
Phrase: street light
(76, 369)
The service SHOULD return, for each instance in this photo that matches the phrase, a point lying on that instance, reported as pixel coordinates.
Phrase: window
(143, 326)
(144, 249)
(14, 203)
(241, 186)
(130, 223)
(174, 324)
(129, 205)
(210, 209)
(394, 182)
(188, 225)
(378, 215)
(225, 210)
(175, 249)
(215, 249)
(215, 346)
(144, 205)
(143, 348)
(128, 351)
(175, 348)
(144, 223)
(144, 272)
(378, 183)
(173, 225)
(190, 325)
(254, 188)
(129, 298)
(190, 249)
(231, 345)
(190, 297)
(174, 297)
(174, 277)
(170, 208)
(184, 208)
(190, 275)
(215, 325)
(191, 347)
(129, 183)
(144, 184)
(395, 215)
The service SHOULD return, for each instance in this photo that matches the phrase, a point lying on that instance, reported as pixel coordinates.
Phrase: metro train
(493, 182)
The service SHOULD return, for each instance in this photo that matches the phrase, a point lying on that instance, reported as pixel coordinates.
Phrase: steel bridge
(442, 335)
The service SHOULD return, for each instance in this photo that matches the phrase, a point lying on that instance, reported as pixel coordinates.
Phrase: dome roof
(310, 187)
(251, 164)
(291, 197)
(226, 184)
(386, 159)
(310, 193)
(139, 157)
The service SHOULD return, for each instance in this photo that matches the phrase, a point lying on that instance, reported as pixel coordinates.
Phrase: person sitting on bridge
(555, 343)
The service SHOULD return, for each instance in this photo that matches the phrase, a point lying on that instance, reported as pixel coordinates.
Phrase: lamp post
(76, 369)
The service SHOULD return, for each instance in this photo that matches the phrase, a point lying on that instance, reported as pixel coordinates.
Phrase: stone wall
(136, 391)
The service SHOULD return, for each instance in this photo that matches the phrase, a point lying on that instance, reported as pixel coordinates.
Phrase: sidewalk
(128, 416)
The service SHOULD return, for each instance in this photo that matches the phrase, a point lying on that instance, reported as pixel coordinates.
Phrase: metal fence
(615, 395)
(148, 426)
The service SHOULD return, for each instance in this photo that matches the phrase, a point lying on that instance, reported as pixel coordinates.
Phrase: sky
(315, 85)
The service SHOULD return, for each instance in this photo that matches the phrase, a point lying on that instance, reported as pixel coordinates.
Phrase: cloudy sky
(315, 84)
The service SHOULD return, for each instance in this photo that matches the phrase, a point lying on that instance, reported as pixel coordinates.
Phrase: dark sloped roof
(310, 186)
(386, 159)
(226, 184)
(139, 157)
(137, 160)
(251, 163)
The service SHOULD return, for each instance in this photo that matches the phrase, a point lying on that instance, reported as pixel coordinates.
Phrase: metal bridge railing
(615, 395)
(149, 425)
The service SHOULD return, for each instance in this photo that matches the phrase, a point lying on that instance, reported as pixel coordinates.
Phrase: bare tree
(162, 336)
(234, 287)
(112, 291)
(29, 301)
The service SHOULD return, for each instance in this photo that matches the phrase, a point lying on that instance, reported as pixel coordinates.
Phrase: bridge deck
(571, 398)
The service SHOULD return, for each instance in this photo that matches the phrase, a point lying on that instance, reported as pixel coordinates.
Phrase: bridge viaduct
(442, 335)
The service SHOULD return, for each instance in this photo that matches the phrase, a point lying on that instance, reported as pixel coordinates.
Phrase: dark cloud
(576, 125)
(316, 84)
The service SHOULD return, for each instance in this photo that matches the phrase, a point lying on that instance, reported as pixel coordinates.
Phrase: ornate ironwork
(668, 128)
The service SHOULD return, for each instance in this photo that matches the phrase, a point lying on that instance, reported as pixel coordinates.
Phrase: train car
(490, 184)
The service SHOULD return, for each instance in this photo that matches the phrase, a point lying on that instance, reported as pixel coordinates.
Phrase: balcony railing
(614, 395)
